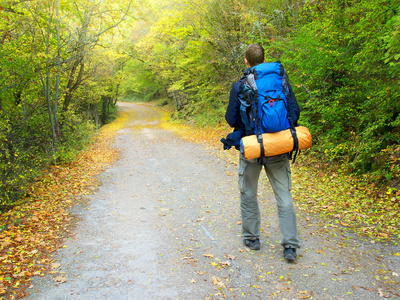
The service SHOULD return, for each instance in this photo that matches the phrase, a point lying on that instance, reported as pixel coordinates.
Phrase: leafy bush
(23, 147)
(344, 74)
(77, 135)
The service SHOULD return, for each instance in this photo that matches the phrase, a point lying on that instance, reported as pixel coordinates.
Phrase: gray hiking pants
(279, 175)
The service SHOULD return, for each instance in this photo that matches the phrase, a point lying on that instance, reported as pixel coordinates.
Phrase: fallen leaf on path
(225, 264)
(320, 251)
(239, 223)
(55, 266)
(382, 294)
(19, 239)
(216, 280)
(229, 256)
(193, 281)
(200, 273)
(208, 255)
(60, 279)
(221, 285)
(368, 288)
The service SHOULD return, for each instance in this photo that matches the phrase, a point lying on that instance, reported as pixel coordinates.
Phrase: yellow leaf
(216, 280)
(55, 266)
(60, 279)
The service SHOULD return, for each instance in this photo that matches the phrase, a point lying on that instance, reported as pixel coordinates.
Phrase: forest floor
(164, 223)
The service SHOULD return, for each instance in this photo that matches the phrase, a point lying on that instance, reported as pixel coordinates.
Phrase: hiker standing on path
(276, 167)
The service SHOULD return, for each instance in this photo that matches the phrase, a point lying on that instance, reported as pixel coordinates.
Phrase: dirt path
(164, 225)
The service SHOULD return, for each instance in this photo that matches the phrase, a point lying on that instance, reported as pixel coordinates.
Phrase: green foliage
(57, 84)
(77, 136)
(139, 82)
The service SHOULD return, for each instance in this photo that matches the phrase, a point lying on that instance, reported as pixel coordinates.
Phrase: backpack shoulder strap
(251, 82)
(291, 115)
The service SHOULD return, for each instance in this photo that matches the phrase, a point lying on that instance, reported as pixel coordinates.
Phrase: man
(277, 169)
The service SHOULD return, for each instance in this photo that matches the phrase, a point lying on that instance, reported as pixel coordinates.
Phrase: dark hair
(254, 54)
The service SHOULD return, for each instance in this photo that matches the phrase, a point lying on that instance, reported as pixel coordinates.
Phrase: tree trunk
(55, 112)
(73, 86)
(105, 103)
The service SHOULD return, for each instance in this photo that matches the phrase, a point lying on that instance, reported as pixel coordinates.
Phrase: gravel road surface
(165, 224)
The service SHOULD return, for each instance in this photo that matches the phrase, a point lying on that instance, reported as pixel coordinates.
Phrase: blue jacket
(233, 118)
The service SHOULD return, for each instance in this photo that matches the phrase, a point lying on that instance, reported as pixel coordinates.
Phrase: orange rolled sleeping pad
(275, 143)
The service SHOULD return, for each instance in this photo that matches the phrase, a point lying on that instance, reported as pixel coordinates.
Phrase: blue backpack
(267, 102)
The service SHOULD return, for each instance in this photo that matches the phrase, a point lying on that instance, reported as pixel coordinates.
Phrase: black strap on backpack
(251, 82)
(246, 99)
(291, 116)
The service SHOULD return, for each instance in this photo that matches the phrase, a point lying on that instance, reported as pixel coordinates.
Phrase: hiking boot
(289, 254)
(252, 244)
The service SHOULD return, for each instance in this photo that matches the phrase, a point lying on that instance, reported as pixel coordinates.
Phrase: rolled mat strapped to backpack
(275, 143)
